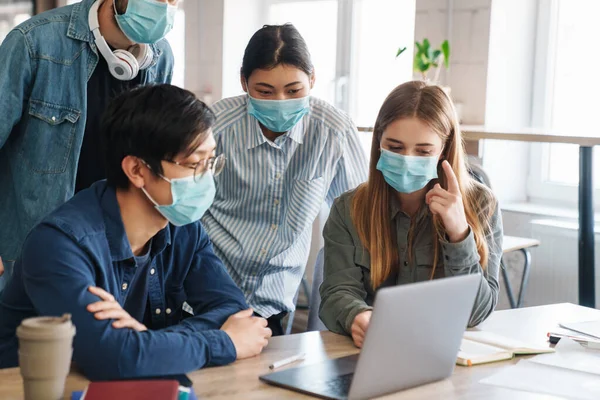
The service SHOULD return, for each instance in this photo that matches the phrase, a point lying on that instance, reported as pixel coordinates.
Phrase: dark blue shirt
(82, 244)
(137, 298)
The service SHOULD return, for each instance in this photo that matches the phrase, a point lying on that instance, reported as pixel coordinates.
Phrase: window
(566, 99)
(12, 13)
(322, 42)
(379, 28)
(176, 39)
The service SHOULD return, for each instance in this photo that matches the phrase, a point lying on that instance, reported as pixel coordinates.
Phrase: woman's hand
(448, 204)
(359, 327)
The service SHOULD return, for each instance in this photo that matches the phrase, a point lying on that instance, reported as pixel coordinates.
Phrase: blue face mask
(407, 174)
(279, 115)
(146, 21)
(191, 199)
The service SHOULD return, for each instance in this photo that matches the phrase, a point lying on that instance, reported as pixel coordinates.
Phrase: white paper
(504, 342)
(538, 378)
(571, 355)
(471, 349)
(590, 328)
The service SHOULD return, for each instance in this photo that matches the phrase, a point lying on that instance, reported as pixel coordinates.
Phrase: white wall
(204, 48)
(241, 19)
(554, 268)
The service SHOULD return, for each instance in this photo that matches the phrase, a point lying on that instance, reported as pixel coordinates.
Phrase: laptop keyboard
(340, 385)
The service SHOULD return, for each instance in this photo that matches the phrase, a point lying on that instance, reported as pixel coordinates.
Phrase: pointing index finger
(451, 178)
(103, 294)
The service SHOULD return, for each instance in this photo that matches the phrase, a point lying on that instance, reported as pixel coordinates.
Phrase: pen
(286, 361)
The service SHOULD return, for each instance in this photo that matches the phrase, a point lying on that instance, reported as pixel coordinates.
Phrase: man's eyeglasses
(213, 164)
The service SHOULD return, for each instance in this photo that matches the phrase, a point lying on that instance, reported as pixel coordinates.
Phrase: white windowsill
(566, 225)
(546, 211)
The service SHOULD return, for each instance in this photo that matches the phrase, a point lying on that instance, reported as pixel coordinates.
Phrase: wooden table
(240, 380)
(587, 291)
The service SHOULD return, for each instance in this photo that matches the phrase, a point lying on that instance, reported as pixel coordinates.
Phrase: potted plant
(426, 58)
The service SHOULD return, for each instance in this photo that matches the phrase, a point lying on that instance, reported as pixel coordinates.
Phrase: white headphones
(123, 64)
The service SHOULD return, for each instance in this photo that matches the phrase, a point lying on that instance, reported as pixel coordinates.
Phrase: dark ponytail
(273, 45)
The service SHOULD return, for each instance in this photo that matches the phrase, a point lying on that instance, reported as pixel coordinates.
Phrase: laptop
(413, 338)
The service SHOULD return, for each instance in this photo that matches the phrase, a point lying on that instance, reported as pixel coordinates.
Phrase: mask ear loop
(144, 190)
(150, 198)
(159, 175)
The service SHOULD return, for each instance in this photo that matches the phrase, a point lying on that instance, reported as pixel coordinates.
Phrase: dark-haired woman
(287, 153)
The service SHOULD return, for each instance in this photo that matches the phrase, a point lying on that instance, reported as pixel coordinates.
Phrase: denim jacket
(45, 64)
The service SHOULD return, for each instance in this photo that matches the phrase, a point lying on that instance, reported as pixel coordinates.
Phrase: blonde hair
(431, 105)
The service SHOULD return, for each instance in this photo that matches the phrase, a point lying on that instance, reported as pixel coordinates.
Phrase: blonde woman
(420, 215)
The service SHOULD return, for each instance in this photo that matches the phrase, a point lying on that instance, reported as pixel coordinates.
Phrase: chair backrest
(477, 172)
(314, 322)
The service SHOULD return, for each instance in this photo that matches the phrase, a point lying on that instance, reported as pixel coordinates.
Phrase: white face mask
(146, 21)
(407, 174)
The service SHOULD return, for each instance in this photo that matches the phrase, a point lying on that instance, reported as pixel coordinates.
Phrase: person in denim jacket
(56, 79)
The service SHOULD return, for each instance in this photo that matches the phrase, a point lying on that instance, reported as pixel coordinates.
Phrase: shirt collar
(422, 212)
(120, 249)
(255, 135)
(79, 28)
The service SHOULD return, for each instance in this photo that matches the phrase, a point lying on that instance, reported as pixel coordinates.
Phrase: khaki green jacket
(346, 290)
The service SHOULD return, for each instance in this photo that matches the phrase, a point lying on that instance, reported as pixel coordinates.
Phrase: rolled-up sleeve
(462, 258)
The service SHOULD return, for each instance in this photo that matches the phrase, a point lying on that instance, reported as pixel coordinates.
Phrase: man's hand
(248, 333)
(109, 308)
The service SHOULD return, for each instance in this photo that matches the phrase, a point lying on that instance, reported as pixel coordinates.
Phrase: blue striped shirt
(270, 193)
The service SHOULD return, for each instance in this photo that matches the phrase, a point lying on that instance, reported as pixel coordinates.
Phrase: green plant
(426, 57)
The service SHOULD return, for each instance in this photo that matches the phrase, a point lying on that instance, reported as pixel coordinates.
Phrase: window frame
(345, 20)
(539, 188)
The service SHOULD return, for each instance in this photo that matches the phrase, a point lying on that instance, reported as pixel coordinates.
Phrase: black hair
(273, 45)
(121, 6)
(153, 123)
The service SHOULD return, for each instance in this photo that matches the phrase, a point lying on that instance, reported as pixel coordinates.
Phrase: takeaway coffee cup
(45, 350)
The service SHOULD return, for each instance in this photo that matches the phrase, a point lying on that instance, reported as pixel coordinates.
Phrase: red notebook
(132, 390)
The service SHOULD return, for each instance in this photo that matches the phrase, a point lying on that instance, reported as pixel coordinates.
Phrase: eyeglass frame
(204, 163)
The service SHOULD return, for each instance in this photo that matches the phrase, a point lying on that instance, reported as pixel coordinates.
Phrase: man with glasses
(125, 255)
